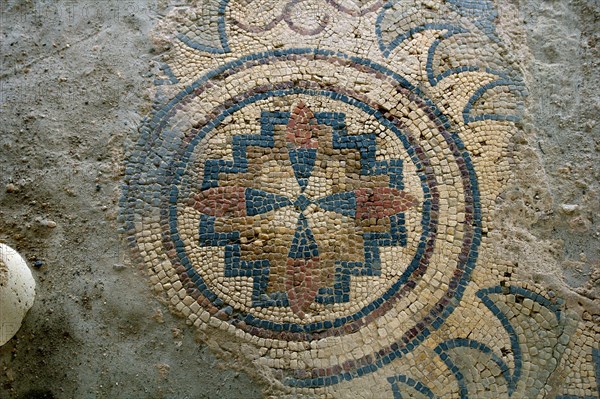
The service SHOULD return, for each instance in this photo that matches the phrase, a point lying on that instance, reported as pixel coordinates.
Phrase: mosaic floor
(317, 182)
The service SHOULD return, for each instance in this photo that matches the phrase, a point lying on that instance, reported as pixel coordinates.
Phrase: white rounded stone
(17, 292)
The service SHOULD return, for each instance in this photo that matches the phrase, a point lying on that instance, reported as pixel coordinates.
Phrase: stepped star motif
(303, 283)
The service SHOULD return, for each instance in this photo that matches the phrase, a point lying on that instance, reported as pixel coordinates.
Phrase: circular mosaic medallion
(304, 194)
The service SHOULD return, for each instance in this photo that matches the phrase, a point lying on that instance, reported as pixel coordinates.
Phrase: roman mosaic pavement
(316, 185)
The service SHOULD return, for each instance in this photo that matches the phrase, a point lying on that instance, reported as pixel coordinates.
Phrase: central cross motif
(230, 204)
